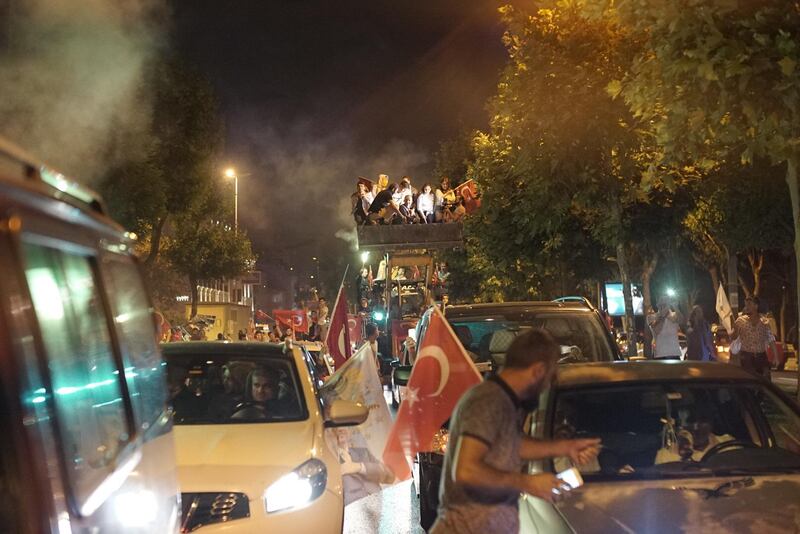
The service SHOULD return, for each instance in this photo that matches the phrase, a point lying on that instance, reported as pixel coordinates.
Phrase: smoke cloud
(299, 191)
(71, 78)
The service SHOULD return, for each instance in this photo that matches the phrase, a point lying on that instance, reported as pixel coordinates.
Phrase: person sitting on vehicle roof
(444, 197)
(406, 189)
(361, 200)
(408, 212)
(384, 209)
(425, 203)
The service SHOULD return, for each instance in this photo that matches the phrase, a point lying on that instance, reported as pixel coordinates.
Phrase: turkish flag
(355, 328)
(469, 192)
(441, 374)
(338, 336)
(297, 320)
(261, 317)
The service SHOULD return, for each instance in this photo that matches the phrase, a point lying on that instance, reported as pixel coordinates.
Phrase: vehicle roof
(22, 178)
(581, 374)
(216, 348)
(487, 308)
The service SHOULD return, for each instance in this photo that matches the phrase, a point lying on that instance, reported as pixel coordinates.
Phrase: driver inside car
(261, 396)
(693, 442)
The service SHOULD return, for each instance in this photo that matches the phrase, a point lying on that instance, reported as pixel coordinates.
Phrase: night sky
(315, 93)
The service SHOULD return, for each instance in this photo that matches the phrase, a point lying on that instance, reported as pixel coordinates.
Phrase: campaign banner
(360, 447)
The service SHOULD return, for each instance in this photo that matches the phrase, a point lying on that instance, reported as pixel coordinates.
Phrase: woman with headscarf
(700, 345)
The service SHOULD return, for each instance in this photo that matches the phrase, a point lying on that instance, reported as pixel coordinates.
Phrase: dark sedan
(687, 447)
(486, 331)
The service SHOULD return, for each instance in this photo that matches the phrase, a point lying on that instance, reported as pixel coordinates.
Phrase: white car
(250, 439)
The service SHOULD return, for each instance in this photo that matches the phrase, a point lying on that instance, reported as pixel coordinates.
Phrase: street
(395, 510)
(786, 380)
(392, 511)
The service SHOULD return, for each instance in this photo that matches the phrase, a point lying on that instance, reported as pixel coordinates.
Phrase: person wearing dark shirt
(482, 475)
(384, 209)
(408, 212)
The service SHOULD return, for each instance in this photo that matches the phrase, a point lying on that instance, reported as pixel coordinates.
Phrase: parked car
(250, 434)
(486, 331)
(687, 446)
(87, 440)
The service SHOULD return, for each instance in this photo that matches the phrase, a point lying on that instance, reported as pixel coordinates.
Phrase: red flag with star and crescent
(297, 320)
(338, 337)
(355, 328)
(442, 373)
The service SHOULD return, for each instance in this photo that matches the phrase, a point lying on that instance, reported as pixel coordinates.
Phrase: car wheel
(427, 515)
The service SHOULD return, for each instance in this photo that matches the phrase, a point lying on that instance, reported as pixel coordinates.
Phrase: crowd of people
(383, 202)
(751, 329)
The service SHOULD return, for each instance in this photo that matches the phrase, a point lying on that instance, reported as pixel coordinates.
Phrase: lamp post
(231, 173)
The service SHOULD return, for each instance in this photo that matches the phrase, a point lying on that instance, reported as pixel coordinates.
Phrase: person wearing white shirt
(425, 204)
(404, 190)
(665, 326)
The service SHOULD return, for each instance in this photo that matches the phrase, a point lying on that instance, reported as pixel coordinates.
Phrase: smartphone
(572, 477)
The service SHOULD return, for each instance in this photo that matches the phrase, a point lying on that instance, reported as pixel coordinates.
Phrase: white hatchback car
(250, 439)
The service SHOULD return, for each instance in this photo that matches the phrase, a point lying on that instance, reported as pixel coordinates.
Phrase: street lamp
(231, 173)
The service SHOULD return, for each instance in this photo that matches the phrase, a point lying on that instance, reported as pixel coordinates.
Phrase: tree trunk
(748, 292)
(794, 194)
(193, 293)
(155, 241)
(630, 325)
(713, 271)
(756, 260)
(647, 273)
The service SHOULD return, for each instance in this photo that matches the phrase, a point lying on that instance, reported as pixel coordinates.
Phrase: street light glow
(364, 256)
(230, 172)
(671, 292)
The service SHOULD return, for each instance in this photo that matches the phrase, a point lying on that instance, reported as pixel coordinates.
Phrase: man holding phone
(482, 475)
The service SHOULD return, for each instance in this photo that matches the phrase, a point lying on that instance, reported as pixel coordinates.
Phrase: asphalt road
(394, 510)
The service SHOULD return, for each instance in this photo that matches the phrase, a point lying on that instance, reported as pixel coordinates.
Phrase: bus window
(90, 411)
(133, 316)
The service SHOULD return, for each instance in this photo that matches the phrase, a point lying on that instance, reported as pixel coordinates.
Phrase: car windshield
(680, 429)
(230, 388)
(580, 335)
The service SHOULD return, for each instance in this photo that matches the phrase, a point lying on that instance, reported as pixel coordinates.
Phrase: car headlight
(297, 488)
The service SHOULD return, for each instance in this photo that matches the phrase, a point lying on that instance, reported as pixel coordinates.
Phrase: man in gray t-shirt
(482, 474)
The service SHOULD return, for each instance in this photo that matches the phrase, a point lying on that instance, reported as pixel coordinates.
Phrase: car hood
(729, 504)
(235, 457)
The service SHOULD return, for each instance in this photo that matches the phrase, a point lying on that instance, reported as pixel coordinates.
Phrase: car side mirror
(346, 413)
